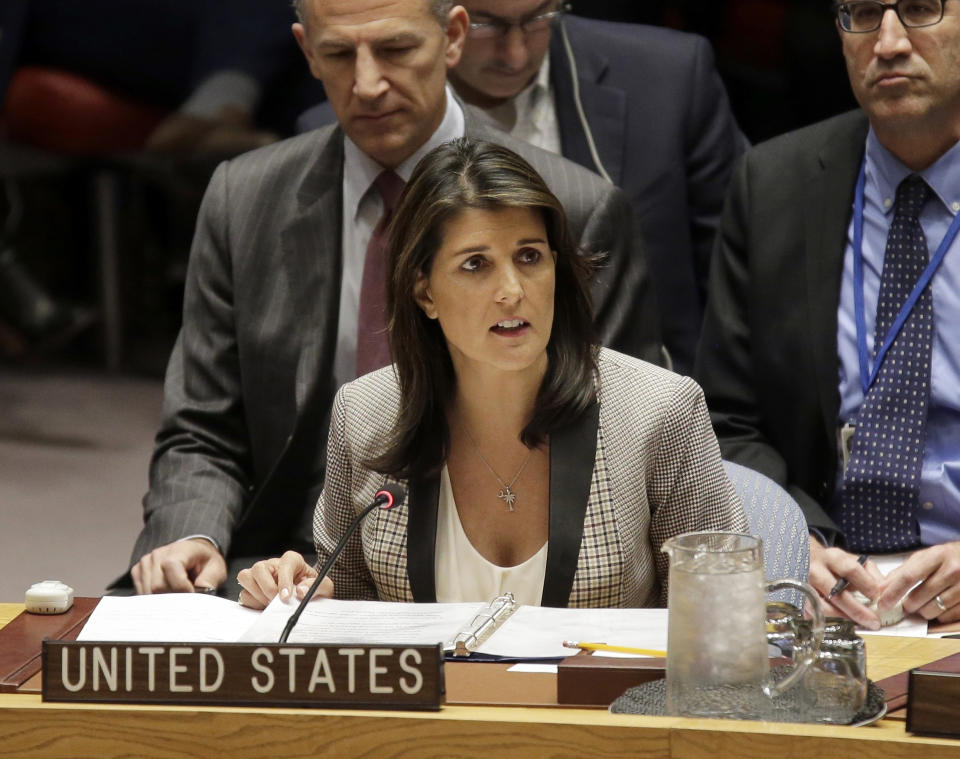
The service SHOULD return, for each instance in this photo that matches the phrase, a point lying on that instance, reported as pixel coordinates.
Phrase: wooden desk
(31, 728)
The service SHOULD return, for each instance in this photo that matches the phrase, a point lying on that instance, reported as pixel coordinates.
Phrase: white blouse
(463, 574)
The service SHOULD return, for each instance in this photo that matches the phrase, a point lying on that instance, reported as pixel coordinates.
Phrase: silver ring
(939, 602)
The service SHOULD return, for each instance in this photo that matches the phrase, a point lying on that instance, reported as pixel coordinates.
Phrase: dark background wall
(780, 59)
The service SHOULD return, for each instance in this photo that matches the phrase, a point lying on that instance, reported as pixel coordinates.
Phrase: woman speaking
(535, 461)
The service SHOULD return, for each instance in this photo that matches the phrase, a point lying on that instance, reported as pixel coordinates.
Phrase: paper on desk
(531, 632)
(539, 631)
(534, 668)
(330, 621)
(912, 626)
(168, 617)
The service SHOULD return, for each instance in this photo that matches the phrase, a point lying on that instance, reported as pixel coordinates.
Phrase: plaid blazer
(638, 467)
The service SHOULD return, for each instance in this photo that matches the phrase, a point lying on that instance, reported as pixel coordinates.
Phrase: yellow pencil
(618, 649)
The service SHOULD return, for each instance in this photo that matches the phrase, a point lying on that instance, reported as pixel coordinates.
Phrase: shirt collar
(359, 169)
(540, 86)
(885, 171)
(522, 106)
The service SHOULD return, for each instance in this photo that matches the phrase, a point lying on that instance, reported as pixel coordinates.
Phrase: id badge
(846, 443)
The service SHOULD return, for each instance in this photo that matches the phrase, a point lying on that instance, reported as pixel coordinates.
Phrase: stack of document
(530, 632)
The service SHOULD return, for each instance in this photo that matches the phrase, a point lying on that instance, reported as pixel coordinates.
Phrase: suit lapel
(310, 261)
(605, 107)
(572, 457)
(422, 538)
(311, 256)
(827, 206)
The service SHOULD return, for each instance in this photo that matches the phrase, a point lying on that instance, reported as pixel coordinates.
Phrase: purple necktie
(881, 486)
(373, 351)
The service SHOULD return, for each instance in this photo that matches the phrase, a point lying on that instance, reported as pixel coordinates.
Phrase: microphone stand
(381, 499)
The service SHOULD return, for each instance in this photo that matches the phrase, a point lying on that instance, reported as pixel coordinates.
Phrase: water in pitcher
(716, 642)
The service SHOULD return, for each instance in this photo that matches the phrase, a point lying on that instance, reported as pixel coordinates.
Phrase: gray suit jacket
(665, 134)
(239, 456)
(637, 468)
(768, 358)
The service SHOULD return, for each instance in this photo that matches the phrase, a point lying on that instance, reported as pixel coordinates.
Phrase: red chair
(57, 110)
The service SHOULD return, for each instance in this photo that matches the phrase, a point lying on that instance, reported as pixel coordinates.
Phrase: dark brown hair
(463, 174)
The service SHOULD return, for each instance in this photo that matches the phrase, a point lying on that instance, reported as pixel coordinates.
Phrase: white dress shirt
(531, 115)
(463, 574)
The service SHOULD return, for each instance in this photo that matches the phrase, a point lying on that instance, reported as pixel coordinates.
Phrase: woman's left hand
(286, 576)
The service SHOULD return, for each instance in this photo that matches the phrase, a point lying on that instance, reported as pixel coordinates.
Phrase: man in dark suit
(271, 307)
(788, 372)
(642, 106)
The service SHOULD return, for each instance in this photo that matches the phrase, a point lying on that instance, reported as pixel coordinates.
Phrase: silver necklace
(506, 494)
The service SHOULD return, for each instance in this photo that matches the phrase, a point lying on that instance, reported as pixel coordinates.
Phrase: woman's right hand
(286, 576)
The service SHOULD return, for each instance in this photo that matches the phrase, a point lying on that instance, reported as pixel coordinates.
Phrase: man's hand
(182, 567)
(230, 132)
(827, 566)
(288, 575)
(937, 570)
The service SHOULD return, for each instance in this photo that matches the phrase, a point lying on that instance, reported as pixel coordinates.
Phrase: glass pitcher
(717, 652)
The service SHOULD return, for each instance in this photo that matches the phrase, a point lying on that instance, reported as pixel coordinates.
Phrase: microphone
(388, 497)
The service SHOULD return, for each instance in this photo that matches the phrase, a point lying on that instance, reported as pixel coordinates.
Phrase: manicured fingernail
(284, 593)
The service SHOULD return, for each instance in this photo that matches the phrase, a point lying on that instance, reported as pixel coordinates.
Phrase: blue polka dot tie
(880, 488)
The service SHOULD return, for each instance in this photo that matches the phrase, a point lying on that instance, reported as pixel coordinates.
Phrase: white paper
(327, 620)
(534, 668)
(887, 562)
(531, 632)
(539, 631)
(911, 626)
(625, 655)
(168, 618)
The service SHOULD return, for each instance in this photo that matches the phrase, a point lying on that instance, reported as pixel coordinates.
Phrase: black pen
(843, 581)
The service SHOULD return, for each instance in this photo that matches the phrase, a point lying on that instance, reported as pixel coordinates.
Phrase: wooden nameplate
(933, 702)
(239, 674)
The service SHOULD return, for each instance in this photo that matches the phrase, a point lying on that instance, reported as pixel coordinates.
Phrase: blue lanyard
(867, 377)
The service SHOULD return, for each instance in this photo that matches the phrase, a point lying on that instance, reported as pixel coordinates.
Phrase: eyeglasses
(867, 15)
(495, 27)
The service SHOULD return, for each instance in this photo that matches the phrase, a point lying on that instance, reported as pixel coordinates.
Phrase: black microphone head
(391, 495)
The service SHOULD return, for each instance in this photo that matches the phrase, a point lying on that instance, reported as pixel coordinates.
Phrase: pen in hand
(843, 581)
